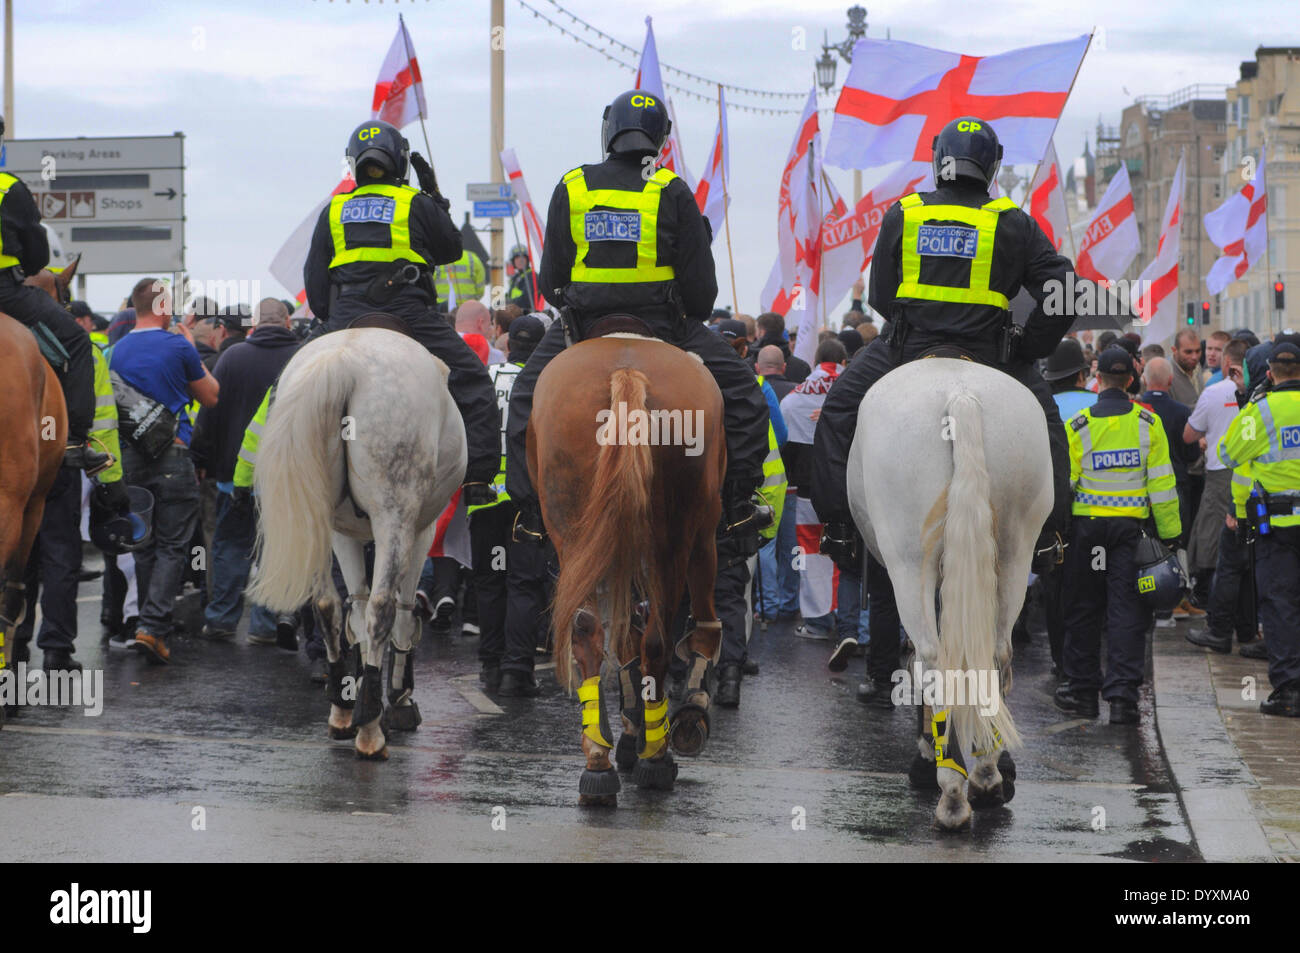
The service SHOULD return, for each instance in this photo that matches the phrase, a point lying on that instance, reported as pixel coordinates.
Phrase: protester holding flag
(950, 284)
(617, 242)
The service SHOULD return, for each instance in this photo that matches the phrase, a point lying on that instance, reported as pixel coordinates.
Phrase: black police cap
(1115, 360)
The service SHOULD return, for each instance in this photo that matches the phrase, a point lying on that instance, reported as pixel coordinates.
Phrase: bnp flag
(899, 95)
(711, 195)
(651, 80)
(399, 91)
(1155, 296)
(1240, 228)
(1111, 242)
(1047, 199)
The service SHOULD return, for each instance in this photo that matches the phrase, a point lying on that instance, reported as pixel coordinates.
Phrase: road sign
(120, 203)
(500, 209)
(488, 191)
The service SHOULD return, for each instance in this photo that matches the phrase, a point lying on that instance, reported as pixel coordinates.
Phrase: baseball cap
(730, 328)
(1286, 348)
(1115, 360)
(526, 329)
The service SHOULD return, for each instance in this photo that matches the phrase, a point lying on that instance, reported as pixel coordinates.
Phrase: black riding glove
(113, 497)
(428, 182)
(479, 494)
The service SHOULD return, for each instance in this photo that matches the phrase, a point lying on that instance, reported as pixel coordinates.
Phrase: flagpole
(726, 218)
(419, 102)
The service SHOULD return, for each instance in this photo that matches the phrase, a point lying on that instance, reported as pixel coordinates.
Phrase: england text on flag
(899, 95)
(1240, 227)
(1155, 296)
(399, 91)
(1111, 242)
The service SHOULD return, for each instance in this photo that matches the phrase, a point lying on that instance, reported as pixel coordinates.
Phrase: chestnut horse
(626, 448)
(32, 441)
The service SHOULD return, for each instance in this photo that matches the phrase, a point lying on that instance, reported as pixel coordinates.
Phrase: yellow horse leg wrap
(655, 734)
(942, 758)
(593, 712)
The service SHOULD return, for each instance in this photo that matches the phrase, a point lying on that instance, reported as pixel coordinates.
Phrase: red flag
(399, 91)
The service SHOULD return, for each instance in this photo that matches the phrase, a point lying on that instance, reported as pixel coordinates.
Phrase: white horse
(363, 442)
(949, 481)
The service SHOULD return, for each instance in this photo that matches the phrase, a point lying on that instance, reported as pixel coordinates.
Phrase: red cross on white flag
(1046, 200)
(1111, 242)
(1240, 227)
(1155, 296)
(711, 195)
(399, 91)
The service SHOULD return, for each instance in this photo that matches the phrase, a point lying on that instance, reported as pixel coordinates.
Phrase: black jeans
(744, 408)
(1233, 592)
(53, 567)
(1277, 566)
(489, 538)
(30, 305)
(1108, 592)
(839, 421)
(160, 566)
(471, 387)
(729, 590)
(528, 605)
(886, 628)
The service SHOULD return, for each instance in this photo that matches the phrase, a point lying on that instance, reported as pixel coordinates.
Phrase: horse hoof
(599, 787)
(380, 755)
(952, 815)
(625, 752)
(655, 774)
(346, 733)
(690, 730)
(983, 800)
(922, 775)
(402, 718)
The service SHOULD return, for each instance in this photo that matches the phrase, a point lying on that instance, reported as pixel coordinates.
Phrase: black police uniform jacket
(21, 231)
(1022, 256)
(683, 242)
(433, 235)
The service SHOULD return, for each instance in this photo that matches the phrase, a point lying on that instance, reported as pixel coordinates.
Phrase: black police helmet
(635, 122)
(967, 147)
(1161, 582)
(116, 533)
(380, 144)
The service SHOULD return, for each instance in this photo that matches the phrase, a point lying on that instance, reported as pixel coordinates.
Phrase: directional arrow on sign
(170, 193)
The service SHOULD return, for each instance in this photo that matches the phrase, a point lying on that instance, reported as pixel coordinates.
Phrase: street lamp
(857, 27)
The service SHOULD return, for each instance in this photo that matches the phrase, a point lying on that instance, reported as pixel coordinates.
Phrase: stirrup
(1050, 555)
(520, 532)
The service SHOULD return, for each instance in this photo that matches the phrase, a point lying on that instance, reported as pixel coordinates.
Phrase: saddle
(380, 319)
(952, 351)
(620, 324)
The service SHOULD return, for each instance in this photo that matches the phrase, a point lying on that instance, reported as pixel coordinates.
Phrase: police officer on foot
(1121, 475)
(521, 282)
(947, 264)
(1264, 442)
(373, 251)
(24, 251)
(624, 237)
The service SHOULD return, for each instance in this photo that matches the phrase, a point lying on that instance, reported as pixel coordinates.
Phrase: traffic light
(1205, 312)
(1279, 295)
(1191, 314)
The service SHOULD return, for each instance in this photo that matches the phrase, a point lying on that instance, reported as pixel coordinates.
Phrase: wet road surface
(222, 755)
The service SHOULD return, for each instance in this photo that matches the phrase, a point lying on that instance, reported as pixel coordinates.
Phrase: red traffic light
(1278, 286)
(1205, 306)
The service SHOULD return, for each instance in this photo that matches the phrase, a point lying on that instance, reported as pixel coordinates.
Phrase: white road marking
(467, 685)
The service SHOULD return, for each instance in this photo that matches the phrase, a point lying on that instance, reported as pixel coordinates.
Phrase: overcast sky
(267, 93)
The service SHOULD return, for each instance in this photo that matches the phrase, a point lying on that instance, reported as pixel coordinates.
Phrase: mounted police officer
(373, 250)
(624, 237)
(946, 266)
(24, 251)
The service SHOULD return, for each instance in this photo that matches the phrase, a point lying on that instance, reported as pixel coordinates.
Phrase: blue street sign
(499, 209)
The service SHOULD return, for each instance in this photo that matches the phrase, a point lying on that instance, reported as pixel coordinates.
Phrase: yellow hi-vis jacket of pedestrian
(103, 429)
(247, 459)
(466, 275)
(615, 214)
(1264, 442)
(775, 482)
(383, 204)
(984, 223)
(1119, 466)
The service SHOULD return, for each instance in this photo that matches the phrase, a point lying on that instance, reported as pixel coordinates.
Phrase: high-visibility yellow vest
(972, 239)
(503, 379)
(103, 429)
(617, 215)
(1119, 466)
(99, 339)
(466, 275)
(247, 459)
(775, 482)
(1262, 445)
(7, 182)
(383, 204)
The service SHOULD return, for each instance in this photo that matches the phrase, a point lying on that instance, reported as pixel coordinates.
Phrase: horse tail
(298, 478)
(969, 590)
(616, 537)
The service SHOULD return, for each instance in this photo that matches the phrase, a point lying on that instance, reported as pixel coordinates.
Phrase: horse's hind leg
(599, 784)
(699, 649)
(403, 712)
(654, 767)
(993, 777)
